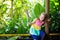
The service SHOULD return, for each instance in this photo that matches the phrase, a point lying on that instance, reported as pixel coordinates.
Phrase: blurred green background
(15, 15)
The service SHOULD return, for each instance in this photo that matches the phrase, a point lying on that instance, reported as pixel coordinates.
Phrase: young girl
(35, 29)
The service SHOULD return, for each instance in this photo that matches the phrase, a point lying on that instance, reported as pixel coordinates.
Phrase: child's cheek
(41, 18)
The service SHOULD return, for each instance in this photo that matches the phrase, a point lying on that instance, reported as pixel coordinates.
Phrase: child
(35, 30)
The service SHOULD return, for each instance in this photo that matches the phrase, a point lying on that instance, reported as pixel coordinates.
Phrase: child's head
(42, 16)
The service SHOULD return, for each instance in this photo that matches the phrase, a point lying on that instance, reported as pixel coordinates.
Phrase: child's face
(42, 17)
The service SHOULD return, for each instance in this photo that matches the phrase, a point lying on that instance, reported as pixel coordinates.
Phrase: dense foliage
(55, 16)
(15, 15)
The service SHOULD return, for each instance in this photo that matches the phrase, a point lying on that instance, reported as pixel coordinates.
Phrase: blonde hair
(45, 15)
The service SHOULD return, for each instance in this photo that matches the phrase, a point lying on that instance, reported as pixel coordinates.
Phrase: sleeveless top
(36, 27)
(37, 24)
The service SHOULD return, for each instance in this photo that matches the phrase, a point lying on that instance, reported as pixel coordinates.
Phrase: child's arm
(32, 21)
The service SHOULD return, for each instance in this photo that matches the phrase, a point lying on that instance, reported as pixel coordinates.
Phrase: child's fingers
(28, 24)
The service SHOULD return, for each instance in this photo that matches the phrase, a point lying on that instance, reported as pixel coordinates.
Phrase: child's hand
(28, 24)
(49, 20)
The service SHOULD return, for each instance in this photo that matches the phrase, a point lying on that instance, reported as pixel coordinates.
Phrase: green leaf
(13, 38)
(38, 9)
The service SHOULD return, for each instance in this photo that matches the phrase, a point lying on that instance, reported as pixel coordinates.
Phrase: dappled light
(15, 16)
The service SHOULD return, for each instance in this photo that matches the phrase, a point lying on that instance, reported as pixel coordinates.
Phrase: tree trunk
(47, 11)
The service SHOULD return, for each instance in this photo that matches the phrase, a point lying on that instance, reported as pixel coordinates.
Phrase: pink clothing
(39, 23)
